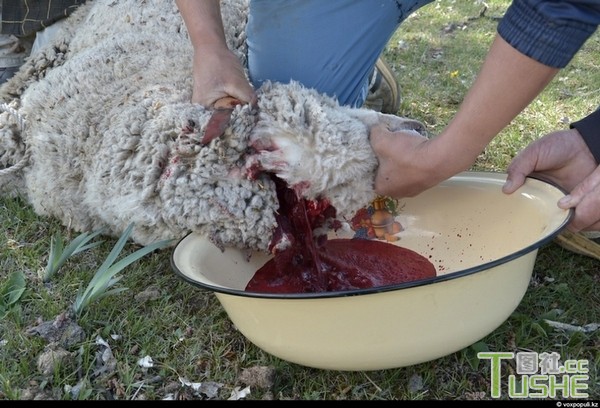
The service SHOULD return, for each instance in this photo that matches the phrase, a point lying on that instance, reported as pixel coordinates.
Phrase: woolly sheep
(99, 132)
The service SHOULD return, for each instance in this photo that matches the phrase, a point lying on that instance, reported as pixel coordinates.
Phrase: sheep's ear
(393, 122)
(409, 124)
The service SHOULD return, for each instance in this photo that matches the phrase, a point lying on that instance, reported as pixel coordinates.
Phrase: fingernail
(507, 185)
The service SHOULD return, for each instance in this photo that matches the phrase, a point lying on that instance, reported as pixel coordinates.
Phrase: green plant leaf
(110, 292)
(13, 289)
(104, 278)
(59, 255)
(471, 353)
(540, 328)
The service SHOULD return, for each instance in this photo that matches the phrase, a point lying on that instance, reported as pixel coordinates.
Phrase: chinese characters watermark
(540, 375)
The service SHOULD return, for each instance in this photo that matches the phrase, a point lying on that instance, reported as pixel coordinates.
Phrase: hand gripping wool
(98, 131)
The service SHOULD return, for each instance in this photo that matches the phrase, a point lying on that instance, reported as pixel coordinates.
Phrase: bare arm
(217, 71)
(203, 22)
(507, 82)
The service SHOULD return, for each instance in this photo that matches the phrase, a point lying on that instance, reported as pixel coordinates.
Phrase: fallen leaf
(238, 393)
(210, 389)
(146, 362)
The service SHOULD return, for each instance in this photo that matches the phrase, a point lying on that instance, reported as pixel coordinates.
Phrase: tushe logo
(540, 376)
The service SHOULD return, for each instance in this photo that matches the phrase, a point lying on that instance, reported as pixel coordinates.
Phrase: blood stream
(305, 261)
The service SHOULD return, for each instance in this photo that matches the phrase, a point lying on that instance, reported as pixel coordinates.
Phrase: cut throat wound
(306, 261)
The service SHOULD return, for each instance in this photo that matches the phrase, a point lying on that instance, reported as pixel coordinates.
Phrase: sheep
(99, 131)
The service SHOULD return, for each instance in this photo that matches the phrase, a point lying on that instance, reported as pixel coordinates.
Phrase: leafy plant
(59, 254)
(105, 277)
(470, 353)
(11, 292)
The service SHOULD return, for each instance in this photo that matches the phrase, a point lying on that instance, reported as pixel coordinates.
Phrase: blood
(306, 261)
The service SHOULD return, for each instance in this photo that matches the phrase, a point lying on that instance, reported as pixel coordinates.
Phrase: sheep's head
(315, 147)
(318, 147)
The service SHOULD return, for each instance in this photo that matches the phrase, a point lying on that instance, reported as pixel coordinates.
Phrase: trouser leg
(331, 46)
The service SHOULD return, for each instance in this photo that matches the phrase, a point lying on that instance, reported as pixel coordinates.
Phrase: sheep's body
(112, 137)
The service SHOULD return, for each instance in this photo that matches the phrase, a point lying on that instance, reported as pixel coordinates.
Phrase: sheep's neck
(305, 262)
(295, 245)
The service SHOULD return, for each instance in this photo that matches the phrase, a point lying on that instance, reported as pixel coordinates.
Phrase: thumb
(513, 182)
(379, 137)
(520, 167)
(587, 186)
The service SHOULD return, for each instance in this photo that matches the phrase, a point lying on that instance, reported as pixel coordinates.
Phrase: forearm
(203, 21)
(217, 70)
(507, 82)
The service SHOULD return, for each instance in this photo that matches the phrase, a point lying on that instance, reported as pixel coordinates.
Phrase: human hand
(562, 157)
(218, 73)
(410, 163)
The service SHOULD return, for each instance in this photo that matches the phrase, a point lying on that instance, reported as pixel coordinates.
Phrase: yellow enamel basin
(482, 242)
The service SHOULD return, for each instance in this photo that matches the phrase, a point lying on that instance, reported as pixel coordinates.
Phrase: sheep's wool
(110, 136)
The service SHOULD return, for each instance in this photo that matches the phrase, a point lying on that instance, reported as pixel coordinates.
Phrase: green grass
(436, 54)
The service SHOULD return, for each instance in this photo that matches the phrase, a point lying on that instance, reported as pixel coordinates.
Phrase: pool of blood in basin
(305, 262)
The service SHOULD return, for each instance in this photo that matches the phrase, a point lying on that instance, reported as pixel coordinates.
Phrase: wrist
(210, 47)
(448, 156)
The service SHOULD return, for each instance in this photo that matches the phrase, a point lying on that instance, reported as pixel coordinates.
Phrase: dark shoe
(384, 91)
(7, 73)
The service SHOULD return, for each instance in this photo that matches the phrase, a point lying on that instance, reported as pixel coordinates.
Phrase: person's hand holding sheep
(218, 72)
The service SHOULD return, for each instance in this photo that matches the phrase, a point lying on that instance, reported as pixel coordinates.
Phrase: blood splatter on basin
(482, 242)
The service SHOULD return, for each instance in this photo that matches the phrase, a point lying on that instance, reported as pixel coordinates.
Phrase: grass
(436, 54)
